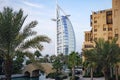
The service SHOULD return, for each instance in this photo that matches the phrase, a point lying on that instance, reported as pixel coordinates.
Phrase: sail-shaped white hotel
(65, 34)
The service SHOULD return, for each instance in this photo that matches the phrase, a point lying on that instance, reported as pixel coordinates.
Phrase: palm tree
(37, 54)
(116, 71)
(14, 39)
(105, 53)
(109, 53)
(72, 62)
(90, 58)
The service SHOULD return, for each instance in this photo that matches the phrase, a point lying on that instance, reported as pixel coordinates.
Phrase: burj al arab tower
(65, 34)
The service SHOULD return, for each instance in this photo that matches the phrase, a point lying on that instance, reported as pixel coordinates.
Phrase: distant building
(65, 34)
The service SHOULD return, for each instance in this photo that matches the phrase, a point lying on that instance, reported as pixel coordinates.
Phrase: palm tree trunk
(116, 72)
(8, 68)
(106, 73)
(73, 73)
(111, 72)
(106, 77)
(91, 72)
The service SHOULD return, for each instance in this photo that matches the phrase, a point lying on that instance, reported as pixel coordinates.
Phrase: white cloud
(33, 4)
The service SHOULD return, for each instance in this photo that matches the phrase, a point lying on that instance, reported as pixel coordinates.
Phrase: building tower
(116, 22)
(116, 18)
(65, 33)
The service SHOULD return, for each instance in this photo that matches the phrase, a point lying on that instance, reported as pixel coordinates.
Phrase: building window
(95, 21)
(95, 39)
(104, 29)
(109, 17)
(110, 38)
(88, 46)
(116, 35)
(109, 12)
(95, 30)
(91, 20)
(109, 29)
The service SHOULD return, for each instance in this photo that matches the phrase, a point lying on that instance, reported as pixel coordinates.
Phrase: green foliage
(13, 40)
(55, 75)
(57, 65)
(76, 78)
(95, 74)
(105, 53)
(28, 62)
(52, 58)
(17, 65)
(74, 60)
(37, 53)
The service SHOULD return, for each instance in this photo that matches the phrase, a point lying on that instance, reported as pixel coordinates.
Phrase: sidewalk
(14, 75)
(102, 78)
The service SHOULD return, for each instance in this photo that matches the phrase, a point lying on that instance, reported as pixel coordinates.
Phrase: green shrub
(70, 74)
(113, 78)
(95, 74)
(51, 75)
(76, 78)
(55, 75)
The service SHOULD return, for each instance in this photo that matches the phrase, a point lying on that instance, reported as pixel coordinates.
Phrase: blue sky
(44, 10)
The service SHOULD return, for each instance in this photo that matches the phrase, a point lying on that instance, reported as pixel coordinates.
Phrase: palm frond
(35, 42)
(29, 26)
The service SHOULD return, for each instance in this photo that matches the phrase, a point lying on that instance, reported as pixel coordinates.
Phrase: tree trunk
(73, 73)
(91, 72)
(111, 72)
(106, 73)
(8, 68)
(106, 77)
(116, 72)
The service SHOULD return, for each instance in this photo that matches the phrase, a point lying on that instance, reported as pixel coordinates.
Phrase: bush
(76, 78)
(98, 74)
(70, 74)
(51, 75)
(113, 78)
(56, 76)
(63, 76)
(95, 74)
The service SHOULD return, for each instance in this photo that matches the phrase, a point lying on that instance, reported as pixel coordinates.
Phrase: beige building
(104, 24)
(116, 18)
(102, 27)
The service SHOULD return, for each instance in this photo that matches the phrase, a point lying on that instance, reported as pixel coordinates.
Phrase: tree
(37, 54)
(46, 58)
(109, 54)
(57, 65)
(106, 53)
(52, 58)
(72, 62)
(17, 65)
(14, 39)
(90, 60)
